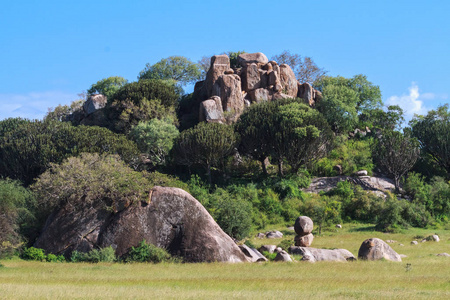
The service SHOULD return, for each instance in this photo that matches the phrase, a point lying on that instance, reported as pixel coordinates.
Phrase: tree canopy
(107, 86)
(305, 69)
(433, 133)
(177, 68)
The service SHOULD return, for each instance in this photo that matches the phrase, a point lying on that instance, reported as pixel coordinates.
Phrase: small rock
(304, 241)
(260, 235)
(435, 238)
(423, 241)
(414, 243)
(401, 245)
(252, 254)
(278, 250)
(283, 256)
(361, 173)
(443, 254)
(274, 234)
(338, 226)
(403, 256)
(268, 248)
(391, 241)
(291, 228)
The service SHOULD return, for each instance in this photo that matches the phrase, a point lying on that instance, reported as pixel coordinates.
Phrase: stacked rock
(303, 227)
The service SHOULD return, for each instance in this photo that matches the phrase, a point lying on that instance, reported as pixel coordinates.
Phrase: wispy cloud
(413, 102)
(32, 105)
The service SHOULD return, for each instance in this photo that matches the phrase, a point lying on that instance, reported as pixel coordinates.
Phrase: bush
(16, 215)
(55, 258)
(33, 254)
(147, 253)
(94, 256)
(233, 215)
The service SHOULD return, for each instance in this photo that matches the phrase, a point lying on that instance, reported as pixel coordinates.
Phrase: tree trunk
(397, 184)
(263, 165)
(280, 168)
(208, 172)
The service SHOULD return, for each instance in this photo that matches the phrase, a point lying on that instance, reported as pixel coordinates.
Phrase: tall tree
(284, 130)
(433, 133)
(396, 153)
(345, 99)
(305, 69)
(177, 68)
(207, 144)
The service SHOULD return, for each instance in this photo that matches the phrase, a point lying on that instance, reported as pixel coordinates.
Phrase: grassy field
(427, 276)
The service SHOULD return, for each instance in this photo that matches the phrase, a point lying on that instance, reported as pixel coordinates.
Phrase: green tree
(322, 210)
(177, 68)
(16, 215)
(396, 154)
(90, 179)
(345, 99)
(107, 86)
(155, 138)
(284, 130)
(305, 69)
(142, 101)
(433, 133)
(207, 144)
(28, 150)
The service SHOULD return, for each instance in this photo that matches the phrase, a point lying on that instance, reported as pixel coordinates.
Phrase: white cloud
(411, 103)
(32, 105)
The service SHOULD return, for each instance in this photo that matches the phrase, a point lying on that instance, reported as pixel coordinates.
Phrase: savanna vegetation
(248, 175)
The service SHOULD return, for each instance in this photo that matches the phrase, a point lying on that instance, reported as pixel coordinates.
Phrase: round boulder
(303, 225)
(375, 249)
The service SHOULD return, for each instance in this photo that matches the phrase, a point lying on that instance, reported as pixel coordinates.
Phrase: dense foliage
(348, 131)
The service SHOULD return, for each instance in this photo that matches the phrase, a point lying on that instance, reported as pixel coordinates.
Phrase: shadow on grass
(363, 228)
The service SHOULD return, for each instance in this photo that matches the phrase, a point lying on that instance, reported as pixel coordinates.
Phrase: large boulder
(228, 88)
(303, 225)
(94, 103)
(288, 81)
(211, 110)
(375, 249)
(219, 65)
(245, 59)
(170, 219)
(314, 254)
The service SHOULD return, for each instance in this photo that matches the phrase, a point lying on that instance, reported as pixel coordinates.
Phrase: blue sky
(50, 51)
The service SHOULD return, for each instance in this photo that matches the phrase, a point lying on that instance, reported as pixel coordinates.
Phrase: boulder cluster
(226, 91)
(303, 226)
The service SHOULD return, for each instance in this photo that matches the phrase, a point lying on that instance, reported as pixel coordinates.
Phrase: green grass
(427, 278)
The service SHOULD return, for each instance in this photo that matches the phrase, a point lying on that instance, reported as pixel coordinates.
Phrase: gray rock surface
(283, 256)
(94, 103)
(171, 219)
(211, 110)
(274, 234)
(245, 59)
(375, 249)
(370, 183)
(314, 254)
(303, 225)
(253, 254)
(268, 248)
(304, 241)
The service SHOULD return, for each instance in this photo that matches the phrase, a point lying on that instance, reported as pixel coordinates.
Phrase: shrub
(147, 253)
(233, 215)
(55, 258)
(94, 256)
(33, 254)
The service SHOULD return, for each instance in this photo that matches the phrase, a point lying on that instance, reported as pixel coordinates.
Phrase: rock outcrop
(375, 249)
(313, 254)
(171, 219)
(254, 80)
